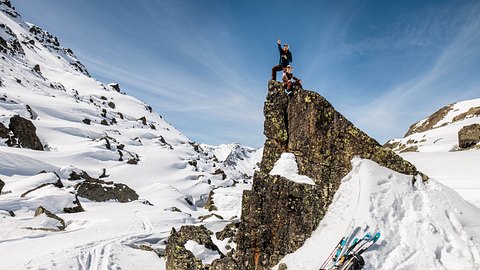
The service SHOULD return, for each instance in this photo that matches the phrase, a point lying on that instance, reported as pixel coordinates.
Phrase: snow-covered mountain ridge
(433, 145)
(98, 144)
(439, 131)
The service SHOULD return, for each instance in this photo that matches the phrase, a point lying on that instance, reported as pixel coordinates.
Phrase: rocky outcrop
(178, 257)
(24, 134)
(469, 136)
(51, 42)
(472, 112)
(9, 43)
(278, 215)
(2, 184)
(100, 191)
(3, 131)
(115, 86)
(430, 122)
(41, 210)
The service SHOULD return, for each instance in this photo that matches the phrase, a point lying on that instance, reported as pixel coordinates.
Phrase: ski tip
(376, 236)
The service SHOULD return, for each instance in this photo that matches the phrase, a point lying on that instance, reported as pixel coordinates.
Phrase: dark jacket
(284, 62)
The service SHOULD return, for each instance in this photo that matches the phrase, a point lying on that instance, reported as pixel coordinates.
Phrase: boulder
(178, 257)
(278, 215)
(41, 210)
(469, 136)
(24, 134)
(100, 191)
(115, 86)
(3, 131)
(2, 184)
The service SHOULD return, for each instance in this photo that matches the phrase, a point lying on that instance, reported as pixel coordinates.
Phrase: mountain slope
(432, 144)
(92, 133)
(439, 131)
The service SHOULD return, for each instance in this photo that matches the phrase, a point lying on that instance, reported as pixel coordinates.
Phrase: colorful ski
(349, 241)
(330, 257)
(359, 250)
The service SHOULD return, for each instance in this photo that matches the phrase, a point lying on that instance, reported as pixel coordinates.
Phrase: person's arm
(289, 56)
(284, 77)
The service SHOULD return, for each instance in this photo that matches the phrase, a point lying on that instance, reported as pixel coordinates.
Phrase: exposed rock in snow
(183, 251)
(100, 191)
(469, 136)
(24, 134)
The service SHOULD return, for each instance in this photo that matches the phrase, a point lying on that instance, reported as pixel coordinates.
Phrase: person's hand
(279, 42)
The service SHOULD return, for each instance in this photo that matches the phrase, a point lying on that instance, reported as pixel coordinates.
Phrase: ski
(358, 251)
(341, 256)
(332, 259)
(325, 263)
(365, 239)
(370, 243)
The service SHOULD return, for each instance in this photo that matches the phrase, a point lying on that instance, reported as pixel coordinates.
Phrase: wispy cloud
(434, 87)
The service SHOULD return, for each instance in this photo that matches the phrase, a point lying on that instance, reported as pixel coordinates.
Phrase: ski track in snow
(99, 255)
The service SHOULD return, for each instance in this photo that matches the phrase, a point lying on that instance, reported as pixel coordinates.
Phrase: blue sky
(204, 65)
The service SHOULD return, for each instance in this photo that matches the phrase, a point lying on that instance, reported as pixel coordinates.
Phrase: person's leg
(288, 86)
(299, 84)
(276, 69)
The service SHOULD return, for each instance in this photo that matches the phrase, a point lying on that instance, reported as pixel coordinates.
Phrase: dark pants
(289, 85)
(276, 69)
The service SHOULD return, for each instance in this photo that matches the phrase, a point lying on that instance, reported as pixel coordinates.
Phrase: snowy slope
(432, 146)
(173, 175)
(424, 226)
(439, 132)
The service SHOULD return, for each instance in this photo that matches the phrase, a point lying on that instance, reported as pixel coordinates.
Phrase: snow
(172, 172)
(423, 226)
(207, 256)
(286, 166)
(457, 170)
(443, 137)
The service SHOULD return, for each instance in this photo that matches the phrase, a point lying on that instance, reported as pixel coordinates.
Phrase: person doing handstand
(285, 59)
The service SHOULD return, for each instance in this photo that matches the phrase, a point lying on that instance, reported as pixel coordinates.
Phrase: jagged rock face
(177, 256)
(101, 191)
(279, 215)
(469, 136)
(24, 134)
